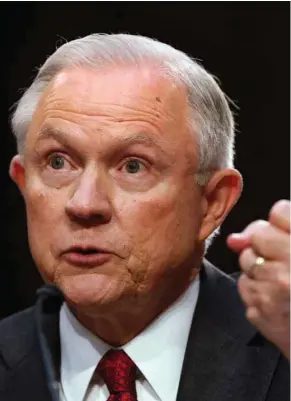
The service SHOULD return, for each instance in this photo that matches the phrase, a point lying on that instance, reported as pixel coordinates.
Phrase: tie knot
(119, 373)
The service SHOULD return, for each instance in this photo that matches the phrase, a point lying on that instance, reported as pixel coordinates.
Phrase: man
(126, 167)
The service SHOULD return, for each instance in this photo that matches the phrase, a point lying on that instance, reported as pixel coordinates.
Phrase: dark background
(244, 44)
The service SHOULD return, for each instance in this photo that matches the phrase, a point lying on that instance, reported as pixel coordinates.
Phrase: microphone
(56, 298)
(49, 290)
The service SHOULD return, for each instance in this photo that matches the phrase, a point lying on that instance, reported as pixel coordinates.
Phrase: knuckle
(264, 301)
(243, 282)
(279, 207)
(257, 224)
(261, 237)
(245, 258)
(262, 224)
(252, 314)
(283, 282)
(268, 305)
(242, 288)
(242, 258)
(286, 255)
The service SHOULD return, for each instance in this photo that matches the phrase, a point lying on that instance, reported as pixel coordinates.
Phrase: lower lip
(91, 260)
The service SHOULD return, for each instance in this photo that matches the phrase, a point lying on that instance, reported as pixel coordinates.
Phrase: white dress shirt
(158, 352)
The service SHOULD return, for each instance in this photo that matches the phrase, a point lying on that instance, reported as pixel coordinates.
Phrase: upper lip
(86, 248)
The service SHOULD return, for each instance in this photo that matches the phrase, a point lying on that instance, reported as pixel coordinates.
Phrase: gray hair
(210, 117)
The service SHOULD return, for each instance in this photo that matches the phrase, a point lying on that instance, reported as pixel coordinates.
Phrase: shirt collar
(81, 351)
(158, 351)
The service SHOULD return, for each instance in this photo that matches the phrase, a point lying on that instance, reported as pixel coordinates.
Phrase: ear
(17, 172)
(219, 196)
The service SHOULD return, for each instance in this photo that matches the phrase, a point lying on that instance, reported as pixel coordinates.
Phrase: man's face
(113, 208)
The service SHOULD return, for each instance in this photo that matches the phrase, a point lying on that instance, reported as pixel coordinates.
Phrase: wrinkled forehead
(123, 94)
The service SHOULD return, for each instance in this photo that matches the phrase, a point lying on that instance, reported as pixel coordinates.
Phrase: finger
(261, 295)
(251, 293)
(238, 241)
(278, 334)
(246, 291)
(280, 215)
(253, 227)
(272, 271)
(270, 242)
(261, 322)
(253, 315)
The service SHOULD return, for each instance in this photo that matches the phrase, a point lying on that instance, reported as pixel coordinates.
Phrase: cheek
(43, 207)
(168, 210)
(43, 211)
(162, 226)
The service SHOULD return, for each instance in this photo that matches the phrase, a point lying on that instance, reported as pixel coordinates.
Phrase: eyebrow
(137, 138)
(53, 133)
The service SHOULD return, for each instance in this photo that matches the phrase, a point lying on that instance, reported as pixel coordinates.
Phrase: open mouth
(89, 251)
(90, 257)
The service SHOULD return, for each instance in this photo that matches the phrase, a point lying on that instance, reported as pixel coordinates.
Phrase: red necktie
(119, 373)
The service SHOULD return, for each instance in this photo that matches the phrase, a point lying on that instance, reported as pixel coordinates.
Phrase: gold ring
(259, 263)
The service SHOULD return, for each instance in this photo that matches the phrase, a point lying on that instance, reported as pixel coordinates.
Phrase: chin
(92, 292)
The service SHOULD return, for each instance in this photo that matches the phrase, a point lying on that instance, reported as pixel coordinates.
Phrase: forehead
(126, 86)
(137, 97)
(120, 79)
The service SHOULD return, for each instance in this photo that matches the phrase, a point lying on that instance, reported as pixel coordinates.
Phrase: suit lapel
(226, 359)
(27, 381)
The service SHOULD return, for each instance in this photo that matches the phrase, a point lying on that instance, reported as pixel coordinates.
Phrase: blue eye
(133, 166)
(57, 162)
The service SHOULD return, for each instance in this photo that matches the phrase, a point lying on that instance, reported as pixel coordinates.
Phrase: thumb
(238, 242)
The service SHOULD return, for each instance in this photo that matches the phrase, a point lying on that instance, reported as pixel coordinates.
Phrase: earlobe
(221, 194)
(16, 171)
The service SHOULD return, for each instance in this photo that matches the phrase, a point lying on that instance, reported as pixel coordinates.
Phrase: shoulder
(21, 367)
(220, 302)
(218, 281)
(16, 318)
(22, 321)
(17, 335)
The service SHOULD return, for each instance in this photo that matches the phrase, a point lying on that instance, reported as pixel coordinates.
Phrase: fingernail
(237, 235)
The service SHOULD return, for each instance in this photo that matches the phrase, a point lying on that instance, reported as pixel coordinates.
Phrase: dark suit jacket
(226, 358)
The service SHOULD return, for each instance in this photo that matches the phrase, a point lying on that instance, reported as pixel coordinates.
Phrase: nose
(90, 203)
